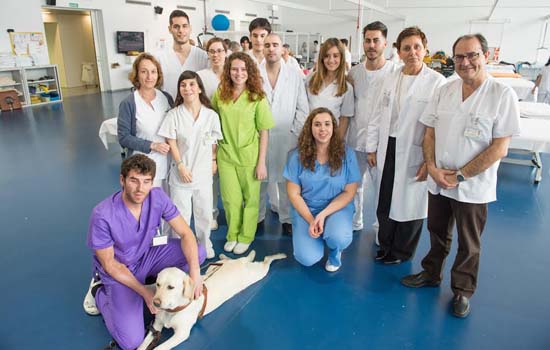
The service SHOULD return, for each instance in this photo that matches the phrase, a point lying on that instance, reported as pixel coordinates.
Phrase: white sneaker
(240, 248)
(331, 268)
(210, 254)
(229, 246)
(89, 300)
(214, 225)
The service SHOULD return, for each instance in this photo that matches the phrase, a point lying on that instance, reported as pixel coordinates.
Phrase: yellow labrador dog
(174, 294)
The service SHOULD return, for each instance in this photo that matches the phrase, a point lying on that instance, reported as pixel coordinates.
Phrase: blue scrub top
(319, 188)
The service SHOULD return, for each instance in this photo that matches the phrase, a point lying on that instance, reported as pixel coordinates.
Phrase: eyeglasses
(471, 56)
(213, 52)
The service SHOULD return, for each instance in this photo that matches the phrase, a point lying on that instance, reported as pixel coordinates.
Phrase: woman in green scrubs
(245, 119)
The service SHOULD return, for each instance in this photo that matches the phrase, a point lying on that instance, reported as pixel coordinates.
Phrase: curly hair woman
(322, 178)
(245, 119)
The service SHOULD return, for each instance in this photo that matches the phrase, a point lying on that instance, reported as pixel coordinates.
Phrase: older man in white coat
(367, 79)
(395, 134)
(470, 122)
(287, 97)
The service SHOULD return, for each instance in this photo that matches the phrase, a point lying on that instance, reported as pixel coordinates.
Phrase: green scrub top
(241, 122)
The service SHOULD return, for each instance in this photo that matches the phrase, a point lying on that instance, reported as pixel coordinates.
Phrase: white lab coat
(289, 106)
(410, 197)
(339, 105)
(210, 81)
(194, 139)
(172, 68)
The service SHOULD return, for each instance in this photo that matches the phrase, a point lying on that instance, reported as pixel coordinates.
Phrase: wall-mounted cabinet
(35, 85)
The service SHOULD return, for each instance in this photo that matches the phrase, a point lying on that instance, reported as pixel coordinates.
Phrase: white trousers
(199, 202)
(278, 199)
(368, 178)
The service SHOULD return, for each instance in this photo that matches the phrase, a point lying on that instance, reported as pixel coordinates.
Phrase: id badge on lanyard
(159, 238)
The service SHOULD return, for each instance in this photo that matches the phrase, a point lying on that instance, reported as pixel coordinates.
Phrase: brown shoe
(419, 280)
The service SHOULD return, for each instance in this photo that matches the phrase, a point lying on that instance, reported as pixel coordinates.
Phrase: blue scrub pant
(121, 307)
(337, 235)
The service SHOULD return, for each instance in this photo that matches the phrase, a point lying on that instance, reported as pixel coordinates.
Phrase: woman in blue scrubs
(322, 178)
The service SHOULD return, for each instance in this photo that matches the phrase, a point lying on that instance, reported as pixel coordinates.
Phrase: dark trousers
(399, 238)
(470, 220)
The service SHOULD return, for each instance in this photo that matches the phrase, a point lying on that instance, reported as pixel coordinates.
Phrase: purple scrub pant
(121, 307)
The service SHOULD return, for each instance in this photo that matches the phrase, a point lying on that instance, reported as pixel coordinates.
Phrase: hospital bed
(108, 135)
(534, 136)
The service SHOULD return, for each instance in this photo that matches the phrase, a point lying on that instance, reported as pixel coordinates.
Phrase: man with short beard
(182, 55)
(367, 81)
(286, 94)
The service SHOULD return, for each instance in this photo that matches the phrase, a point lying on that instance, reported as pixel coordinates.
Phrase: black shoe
(380, 255)
(287, 229)
(419, 280)
(461, 306)
(390, 259)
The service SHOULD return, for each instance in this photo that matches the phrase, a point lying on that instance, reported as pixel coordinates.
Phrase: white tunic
(210, 81)
(289, 106)
(464, 129)
(148, 121)
(251, 54)
(410, 197)
(292, 62)
(338, 105)
(367, 85)
(195, 139)
(172, 68)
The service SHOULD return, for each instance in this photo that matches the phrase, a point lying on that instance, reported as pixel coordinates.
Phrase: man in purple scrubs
(127, 249)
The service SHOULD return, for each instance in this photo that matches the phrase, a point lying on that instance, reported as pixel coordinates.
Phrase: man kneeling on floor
(124, 234)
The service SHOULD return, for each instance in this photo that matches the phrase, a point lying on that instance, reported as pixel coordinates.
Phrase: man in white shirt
(182, 55)
(367, 79)
(347, 53)
(259, 29)
(469, 124)
(286, 94)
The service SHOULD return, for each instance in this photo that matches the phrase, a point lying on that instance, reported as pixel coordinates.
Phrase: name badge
(472, 133)
(159, 238)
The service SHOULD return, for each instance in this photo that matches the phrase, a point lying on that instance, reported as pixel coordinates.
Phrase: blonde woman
(327, 85)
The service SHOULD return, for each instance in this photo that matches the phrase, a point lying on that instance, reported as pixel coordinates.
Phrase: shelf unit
(17, 75)
(31, 81)
(40, 78)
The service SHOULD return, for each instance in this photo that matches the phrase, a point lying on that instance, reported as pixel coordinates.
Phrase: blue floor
(54, 170)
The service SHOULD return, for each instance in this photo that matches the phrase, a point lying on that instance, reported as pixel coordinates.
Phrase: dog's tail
(269, 259)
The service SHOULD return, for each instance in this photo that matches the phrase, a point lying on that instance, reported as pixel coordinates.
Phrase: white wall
(21, 16)
(119, 16)
(442, 25)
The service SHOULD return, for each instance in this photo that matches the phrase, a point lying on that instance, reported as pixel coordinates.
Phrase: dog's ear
(188, 288)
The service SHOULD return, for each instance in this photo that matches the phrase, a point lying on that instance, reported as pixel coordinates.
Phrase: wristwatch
(460, 177)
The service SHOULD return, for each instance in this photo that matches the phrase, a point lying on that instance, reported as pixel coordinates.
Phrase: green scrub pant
(240, 192)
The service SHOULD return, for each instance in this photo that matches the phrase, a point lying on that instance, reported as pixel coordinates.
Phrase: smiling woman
(328, 87)
(322, 178)
(245, 119)
(142, 112)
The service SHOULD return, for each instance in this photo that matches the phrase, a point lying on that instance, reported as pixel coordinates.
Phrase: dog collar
(183, 307)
